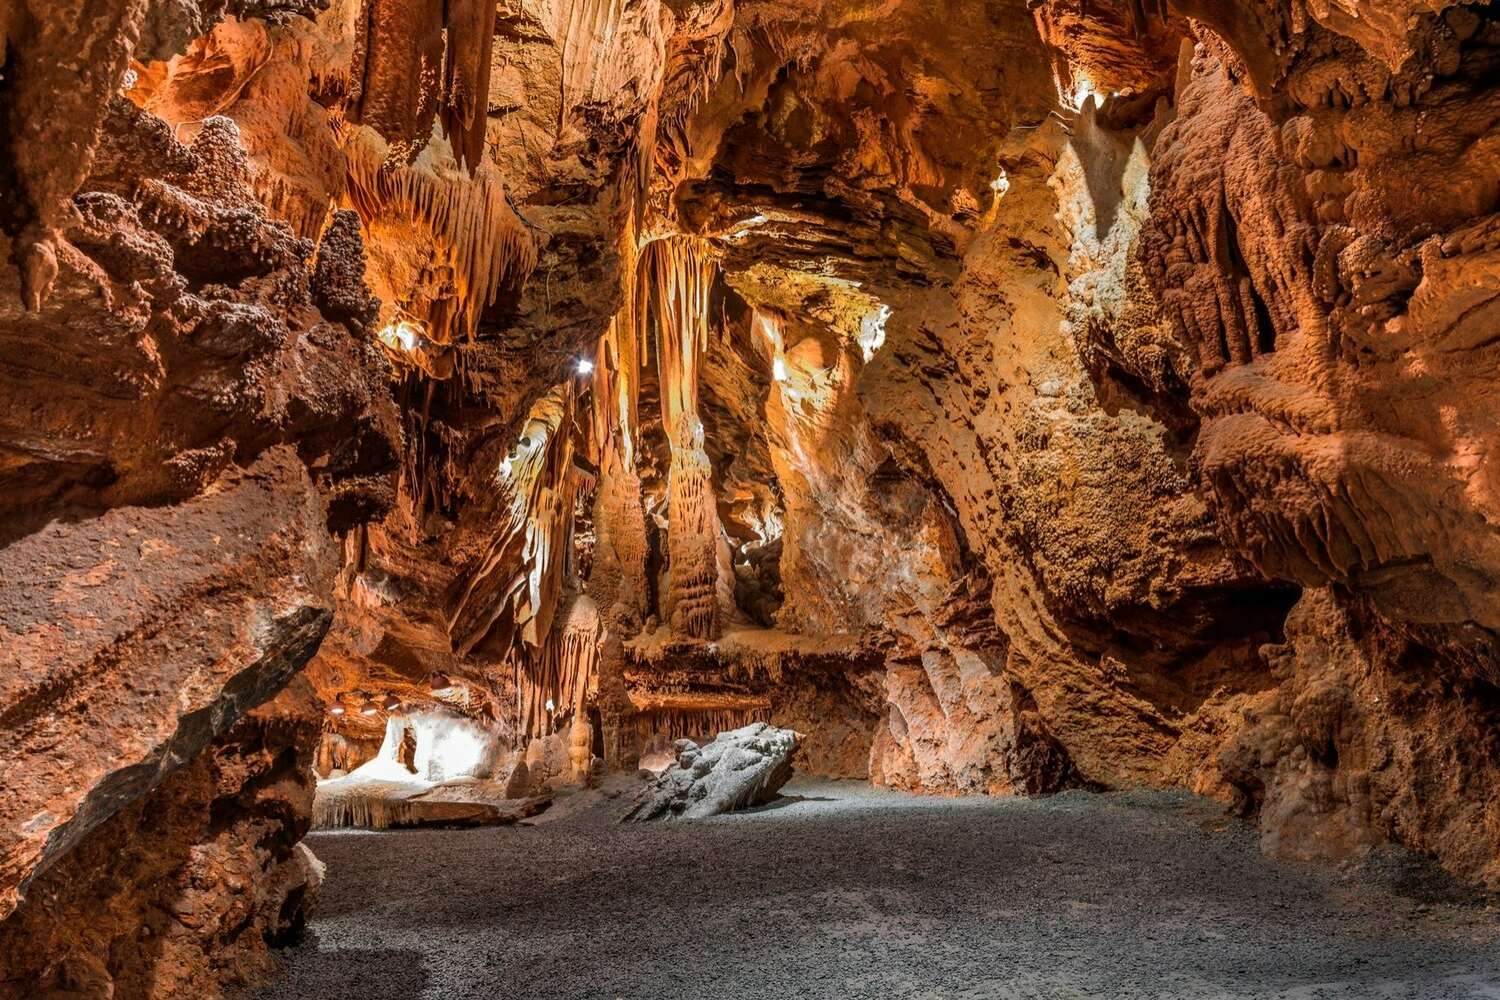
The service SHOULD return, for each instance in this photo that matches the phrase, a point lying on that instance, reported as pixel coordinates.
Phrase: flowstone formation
(1007, 397)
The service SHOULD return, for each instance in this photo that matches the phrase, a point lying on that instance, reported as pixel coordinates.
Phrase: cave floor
(839, 890)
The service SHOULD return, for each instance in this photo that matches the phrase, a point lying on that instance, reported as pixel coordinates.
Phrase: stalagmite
(618, 580)
(580, 748)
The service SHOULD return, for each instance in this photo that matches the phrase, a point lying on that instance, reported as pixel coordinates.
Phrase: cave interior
(428, 414)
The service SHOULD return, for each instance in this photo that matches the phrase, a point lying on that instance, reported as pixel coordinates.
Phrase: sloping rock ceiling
(1008, 396)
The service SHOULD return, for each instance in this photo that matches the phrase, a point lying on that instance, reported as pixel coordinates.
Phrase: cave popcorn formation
(440, 413)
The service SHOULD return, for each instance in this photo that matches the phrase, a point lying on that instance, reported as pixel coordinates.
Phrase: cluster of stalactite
(374, 805)
(511, 595)
(692, 721)
(479, 244)
(676, 276)
(561, 679)
(339, 752)
(404, 47)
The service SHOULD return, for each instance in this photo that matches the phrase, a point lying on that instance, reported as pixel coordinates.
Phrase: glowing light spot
(336, 710)
(368, 710)
(585, 366)
(1001, 184)
(550, 706)
(505, 466)
(403, 335)
(778, 370)
(1083, 89)
(872, 331)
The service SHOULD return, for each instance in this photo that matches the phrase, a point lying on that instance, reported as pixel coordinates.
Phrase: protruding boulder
(741, 768)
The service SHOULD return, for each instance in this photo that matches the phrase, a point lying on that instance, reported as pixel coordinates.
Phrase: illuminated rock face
(1008, 397)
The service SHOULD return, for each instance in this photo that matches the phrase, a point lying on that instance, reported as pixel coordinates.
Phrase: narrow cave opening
(622, 498)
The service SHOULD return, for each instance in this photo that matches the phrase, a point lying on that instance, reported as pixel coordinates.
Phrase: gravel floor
(841, 891)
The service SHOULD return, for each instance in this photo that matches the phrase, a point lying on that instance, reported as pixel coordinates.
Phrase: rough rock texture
(1334, 299)
(184, 430)
(1013, 397)
(95, 733)
(181, 891)
(738, 769)
(1368, 738)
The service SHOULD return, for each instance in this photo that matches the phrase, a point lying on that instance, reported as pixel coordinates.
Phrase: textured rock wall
(182, 891)
(192, 411)
(1333, 297)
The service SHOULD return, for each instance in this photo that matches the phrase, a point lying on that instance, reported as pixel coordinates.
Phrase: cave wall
(193, 411)
(1333, 295)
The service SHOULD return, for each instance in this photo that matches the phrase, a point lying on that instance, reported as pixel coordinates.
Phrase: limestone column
(676, 277)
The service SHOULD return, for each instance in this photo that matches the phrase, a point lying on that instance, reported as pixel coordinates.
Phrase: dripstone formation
(1004, 397)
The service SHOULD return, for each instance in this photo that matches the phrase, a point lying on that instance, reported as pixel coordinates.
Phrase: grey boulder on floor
(738, 769)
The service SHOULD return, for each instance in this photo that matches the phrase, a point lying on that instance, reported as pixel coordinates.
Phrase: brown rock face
(1347, 753)
(1333, 298)
(242, 571)
(1007, 397)
(192, 411)
(181, 891)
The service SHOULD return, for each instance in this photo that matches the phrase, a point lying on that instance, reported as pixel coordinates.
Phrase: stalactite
(564, 671)
(476, 234)
(678, 723)
(676, 277)
(400, 57)
(420, 61)
(617, 365)
(587, 30)
(511, 593)
(466, 91)
(688, 81)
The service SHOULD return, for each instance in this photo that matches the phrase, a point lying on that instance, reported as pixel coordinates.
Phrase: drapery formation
(420, 61)
(478, 244)
(563, 673)
(676, 275)
(510, 596)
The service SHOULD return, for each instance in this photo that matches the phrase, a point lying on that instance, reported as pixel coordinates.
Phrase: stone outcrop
(185, 889)
(192, 412)
(1368, 739)
(736, 770)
